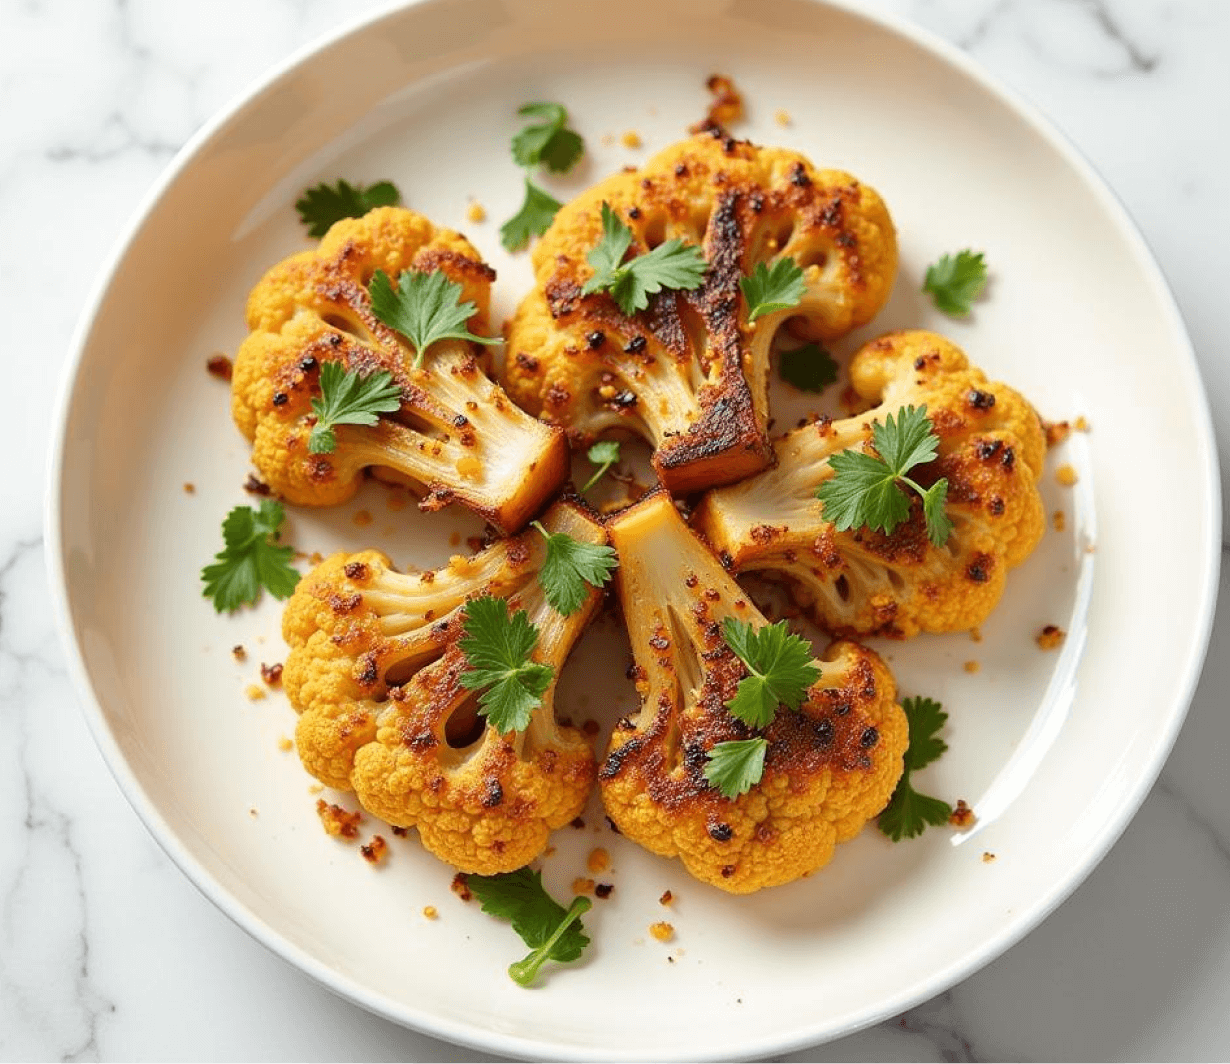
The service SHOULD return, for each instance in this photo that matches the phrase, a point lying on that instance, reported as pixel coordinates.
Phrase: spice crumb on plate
(286, 745)
(239, 653)
(189, 488)
(362, 518)
(962, 815)
(1066, 475)
(971, 666)
(599, 860)
(476, 212)
(1050, 637)
(1059, 520)
(987, 857)
(631, 139)
(218, 365)
(782, 117)
(430, 912)
(338, 822)
(374, 852)
(461, 887)
(581, 885)
(272, 674)
(254, 693)
(662, 931)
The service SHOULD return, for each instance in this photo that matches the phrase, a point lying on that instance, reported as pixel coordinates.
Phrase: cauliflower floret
(689, 373)
(863, 582)
(829, 768)
(456, 436)
(374, 672)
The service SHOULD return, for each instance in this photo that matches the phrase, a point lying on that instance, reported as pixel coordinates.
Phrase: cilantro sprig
(770, 288)
(809, 368)
(866, 491)
(425, 308)
(497, 649)
(552, 932)
(908, 812)
(322, 205)
(571, 568)
(537, 212)
(603, 454)
(252, 559)
(673, 265)
(955, 281)
(546, 141)
(780, 670)
(348, 397)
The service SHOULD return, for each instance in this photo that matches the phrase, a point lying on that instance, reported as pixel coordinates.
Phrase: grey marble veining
(107, 952)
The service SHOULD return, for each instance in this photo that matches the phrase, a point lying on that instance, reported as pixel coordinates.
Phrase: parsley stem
(597, 476)
(523, 972)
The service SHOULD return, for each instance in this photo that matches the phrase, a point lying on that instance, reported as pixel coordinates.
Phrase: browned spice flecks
(727, 105)
(338, 822)
(662, 931)
(219, 366)
(272, 674)
(1050, 637)
(603, 890)
(962, 816)
(374, 852)
(461, 887)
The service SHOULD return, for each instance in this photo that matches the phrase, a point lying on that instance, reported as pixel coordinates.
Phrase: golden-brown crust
(688, 372)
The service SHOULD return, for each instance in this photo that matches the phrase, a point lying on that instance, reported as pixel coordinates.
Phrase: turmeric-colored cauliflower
(688, 373)
(456, 435)
(829, 768)
(863, 582)
(374, 672)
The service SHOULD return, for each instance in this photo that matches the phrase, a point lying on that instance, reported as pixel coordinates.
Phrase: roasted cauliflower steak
(374, 673)
(992, 445)
(688, 374)
(456, 436)
(829, 768)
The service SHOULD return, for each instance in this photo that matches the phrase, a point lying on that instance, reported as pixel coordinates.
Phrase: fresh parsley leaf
(533, 219)
(251, 559)
(497, 648)
(735, 767)
(348, 397)
(781, 668)
(956, 281)
(323, 205)
(908, 812)
(770, 288)
(604, 455)
(671, 265)
(547, 141)
(865, 491)
(552, 932)
(809, 368)
(424, 308)
(571, 568)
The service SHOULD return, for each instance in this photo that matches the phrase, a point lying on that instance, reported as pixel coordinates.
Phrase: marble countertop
(106, 949)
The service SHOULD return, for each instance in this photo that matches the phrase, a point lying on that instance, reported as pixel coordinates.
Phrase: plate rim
(435, 1026)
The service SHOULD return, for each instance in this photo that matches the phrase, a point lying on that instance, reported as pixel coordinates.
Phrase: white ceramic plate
(1054, 751)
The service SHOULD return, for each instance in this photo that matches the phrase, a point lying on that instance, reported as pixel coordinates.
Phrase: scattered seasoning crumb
(590, 727)
(316, 788)
(975, 635)
(461, 887)
(577, 822)
(239, 653)
(219, 366)
(1056, 432)
(396, 500)
(581, 885)
(316, 557)
(253, 812)
(1066, 475)
(272, 674)
(255, 486)
(454, 539)
(374, 852)
(631, 139)
(971, 666)
(603, 890)
(1050, 637)
(1059, 520)
(549, 851)
(662, 931)
(285, 744)
(1081, 425)
(337, 821)
(987, 857)
(667, 898)
(362, 518)
(476, 213)
(430, 912)
(599, 860)
(401, 833)
(189, 488)
(727, 105)
(781, 117)
(254, 693)
(962, 816)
